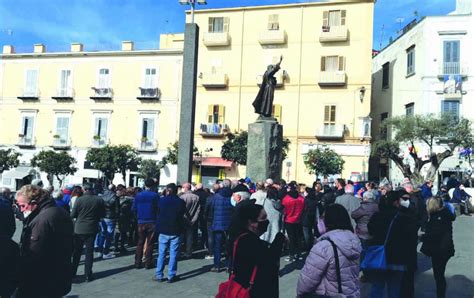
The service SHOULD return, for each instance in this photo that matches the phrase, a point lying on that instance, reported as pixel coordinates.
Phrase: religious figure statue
(263, 103)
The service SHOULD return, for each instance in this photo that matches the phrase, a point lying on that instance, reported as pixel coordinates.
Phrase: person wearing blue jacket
(145, 208)
(222, 207)
(426, 190)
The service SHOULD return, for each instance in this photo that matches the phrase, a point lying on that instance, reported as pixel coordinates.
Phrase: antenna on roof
(382, 33)
(400, 21)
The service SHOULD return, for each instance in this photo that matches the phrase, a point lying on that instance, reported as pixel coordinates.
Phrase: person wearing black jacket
(87, 210)
(202, 223)
(438, 241)
(9, 251)
(308, 218)
(108, 223)
(248, 224)
(46, 245)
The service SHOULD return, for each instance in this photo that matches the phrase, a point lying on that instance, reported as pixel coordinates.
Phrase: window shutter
(325, 18)
(333, 114)
(31, 80)
(342, 63)
(210, 27)
(28, 128)
(277, 112)
(97, 127)
(103, 130)
(221, 114)
(150, 132)
(343, 17)
(323, 63)
(210, 112)
(327, 113)
(226, 24)
(144, 127)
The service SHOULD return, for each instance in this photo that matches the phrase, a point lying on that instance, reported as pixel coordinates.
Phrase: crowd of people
(243, 227)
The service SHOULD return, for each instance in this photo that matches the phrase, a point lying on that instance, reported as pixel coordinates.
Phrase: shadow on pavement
(295, 265)
(196, 272)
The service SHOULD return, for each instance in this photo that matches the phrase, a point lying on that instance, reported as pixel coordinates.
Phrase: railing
(29, 93)
(26, 141)
(146, 145)
(453, 68)
(64, 93)
(99, 142)
(213, 129)
(334, 33)
(61, 143)
(149, 93)
(216, 39)
(272, 37)
(332, 78)
(105, 93)
(331, 131)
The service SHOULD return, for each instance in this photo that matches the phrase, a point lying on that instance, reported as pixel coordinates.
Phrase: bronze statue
(263, 103)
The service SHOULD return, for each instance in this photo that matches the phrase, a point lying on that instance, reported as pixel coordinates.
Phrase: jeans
(219, 238)
(294, 234)
(308, 237)
(163, 242)
(79, 241)
(106, 235)
(392, 280)
(210, 239)
(146, 232)
(439, 267)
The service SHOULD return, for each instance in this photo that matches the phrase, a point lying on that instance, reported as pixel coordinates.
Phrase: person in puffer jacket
(318, 276)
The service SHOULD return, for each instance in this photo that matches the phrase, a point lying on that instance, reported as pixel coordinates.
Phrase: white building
(429, 69)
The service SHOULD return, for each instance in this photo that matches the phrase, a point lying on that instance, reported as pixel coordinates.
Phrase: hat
(248, 180)
(37, 182)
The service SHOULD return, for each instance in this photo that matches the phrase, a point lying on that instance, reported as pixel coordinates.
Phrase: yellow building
(80, 99)
(323, 94)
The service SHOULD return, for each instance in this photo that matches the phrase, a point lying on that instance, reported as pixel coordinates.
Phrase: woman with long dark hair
(249, 222)
(326, 274)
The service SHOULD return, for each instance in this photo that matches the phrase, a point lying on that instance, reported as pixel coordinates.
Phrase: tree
(112, 159)
(8, 159)
(446, 132)
(55, 164)
(150, 168)
(172, 154)
(235, 147)
(323, 161)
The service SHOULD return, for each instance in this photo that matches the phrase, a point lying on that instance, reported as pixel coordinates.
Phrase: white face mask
(232, 202)
(26, 213)
(404, 203)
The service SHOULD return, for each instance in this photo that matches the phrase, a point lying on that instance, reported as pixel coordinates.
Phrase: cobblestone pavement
(117, 277)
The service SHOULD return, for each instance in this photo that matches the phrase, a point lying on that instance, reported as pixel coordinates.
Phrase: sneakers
(173, 279)
(215, 269)
(99, 255)
(209, 257)
(162, 279)
(108, 256)
(289, 259)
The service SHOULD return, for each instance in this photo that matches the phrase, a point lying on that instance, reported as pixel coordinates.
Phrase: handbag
(231, 288)
(375, 257)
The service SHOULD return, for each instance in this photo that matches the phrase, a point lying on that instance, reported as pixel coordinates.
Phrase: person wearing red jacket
(294, 205)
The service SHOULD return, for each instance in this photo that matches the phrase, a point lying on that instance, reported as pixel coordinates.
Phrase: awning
(19, 173)
(215, 162)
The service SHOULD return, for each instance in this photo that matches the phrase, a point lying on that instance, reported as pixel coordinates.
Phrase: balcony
(213, 130)
(64, 94)
(102, 93)
(334, 34)
(29, 94)
(26, 141)
(279, 76)
(332, 78)
(214, 80)
(216, 39)
(99, 142)
(331, 132)
(452, 68)
(271, 37)
(149, 94)
(146, 145)
(61, 143)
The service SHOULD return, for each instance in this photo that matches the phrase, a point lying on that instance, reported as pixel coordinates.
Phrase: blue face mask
(232, 202)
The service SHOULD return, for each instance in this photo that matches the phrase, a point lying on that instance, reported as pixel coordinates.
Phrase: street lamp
(193, 4)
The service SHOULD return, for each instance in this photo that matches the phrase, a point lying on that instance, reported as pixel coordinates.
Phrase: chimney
(8, 49)
(39, 48)
(127, 45)
(77, 47)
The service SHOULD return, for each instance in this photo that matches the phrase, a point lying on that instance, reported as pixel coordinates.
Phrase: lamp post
(193, 5)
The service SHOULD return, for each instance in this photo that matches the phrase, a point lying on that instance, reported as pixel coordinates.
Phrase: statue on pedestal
(263, 103)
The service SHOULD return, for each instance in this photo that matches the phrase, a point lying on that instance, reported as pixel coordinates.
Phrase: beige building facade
(76, 100)
(323, 93)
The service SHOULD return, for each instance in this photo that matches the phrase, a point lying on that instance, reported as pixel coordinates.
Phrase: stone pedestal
(264, 150)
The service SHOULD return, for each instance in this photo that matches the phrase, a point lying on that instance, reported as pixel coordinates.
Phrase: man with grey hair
(349, 201)
(190, 217)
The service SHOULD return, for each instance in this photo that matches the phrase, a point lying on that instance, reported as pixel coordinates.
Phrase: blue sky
(103, 24)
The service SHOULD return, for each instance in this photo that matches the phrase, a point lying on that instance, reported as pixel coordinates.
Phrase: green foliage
(285, 148)
(150, 168)
(323, 161)
(172, 155)
(112, 159)
(55, 163)
(8, 159)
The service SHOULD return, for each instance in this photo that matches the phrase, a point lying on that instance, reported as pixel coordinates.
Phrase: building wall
(301, 98)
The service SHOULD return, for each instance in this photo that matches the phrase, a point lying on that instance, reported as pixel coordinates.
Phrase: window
(62, 129)
(334, 18)
(31, 84)
(365, 128)
(383, 128)
(411, 60)
(333, 63)
(329, 119)
(386, 75)
(27, 128)
(65, 83)
(104, 78)
(273, 23)
(276, 112)
(148, 129)
(410, 109)
(150, 78)
(450, 107)
(100, 129)
(451, 57)
(218, 25)
(215, 114)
